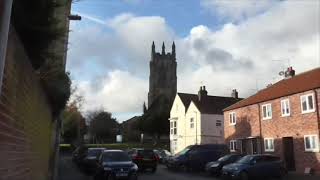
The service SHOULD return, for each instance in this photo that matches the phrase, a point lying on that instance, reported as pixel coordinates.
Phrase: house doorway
(288, 153)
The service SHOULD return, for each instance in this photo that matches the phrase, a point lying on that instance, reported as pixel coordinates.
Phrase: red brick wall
(247, 123)
(296, 125)
(25, 119)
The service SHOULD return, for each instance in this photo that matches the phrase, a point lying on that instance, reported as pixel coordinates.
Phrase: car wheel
(154, 170)
(283, 173)
(133, 177)
(111, 177)
(183, 168)
(244, 176)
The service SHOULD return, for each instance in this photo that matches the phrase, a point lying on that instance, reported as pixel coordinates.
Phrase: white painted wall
(177, 114)
(204, 131)
(211, 133)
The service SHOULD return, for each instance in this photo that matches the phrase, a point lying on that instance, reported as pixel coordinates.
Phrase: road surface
(69, 171)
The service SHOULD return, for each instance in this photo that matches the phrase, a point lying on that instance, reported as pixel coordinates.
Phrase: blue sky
(181, 15)
(109, 50)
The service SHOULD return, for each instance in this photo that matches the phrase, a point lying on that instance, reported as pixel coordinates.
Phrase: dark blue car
(255, 167)
(195, 157)
(116, 164)
(215, 167)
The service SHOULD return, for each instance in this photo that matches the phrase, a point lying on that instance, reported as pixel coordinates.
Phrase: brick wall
(296, 126)
(25, 119)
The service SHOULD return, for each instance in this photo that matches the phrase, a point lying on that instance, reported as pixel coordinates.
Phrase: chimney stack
(234, 93)
(289, 73)
(202, 94)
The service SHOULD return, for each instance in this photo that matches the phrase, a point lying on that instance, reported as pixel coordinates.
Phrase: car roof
(96, 148)
(113, 150)
(260, 155)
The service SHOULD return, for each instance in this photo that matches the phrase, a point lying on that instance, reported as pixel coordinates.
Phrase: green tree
(103, 127)
(73, 124)
(155, 120)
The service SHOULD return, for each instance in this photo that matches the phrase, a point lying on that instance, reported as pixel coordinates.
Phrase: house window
(311, 143)
(173, 127)
(233, 145)
(285, 107)
(191, 123)
(268, 145)
(218, 123)
(232, 118)
(266, 111)
(307, 103)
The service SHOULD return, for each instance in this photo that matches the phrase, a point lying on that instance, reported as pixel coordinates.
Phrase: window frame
(283, 105)
(307, 102)
(173, 127)
(232, 118)
(218, 122)
(192, 123)
(233, 145)
(267, 117)
(266, 145)
(316, 149)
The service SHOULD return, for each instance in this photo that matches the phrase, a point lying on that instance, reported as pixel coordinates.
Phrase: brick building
(282, 119)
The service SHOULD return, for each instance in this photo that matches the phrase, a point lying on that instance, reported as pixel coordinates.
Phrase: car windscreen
(94, 152)
(115, 157)
(245, 159)
(224, 158)
(146, 153)
(183, 151)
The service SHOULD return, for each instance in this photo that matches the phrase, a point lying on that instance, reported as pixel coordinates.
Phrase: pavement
(69, 171)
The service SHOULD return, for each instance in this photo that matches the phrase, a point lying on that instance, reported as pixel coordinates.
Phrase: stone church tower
(163, 74)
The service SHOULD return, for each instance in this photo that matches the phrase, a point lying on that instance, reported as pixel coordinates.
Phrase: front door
(288, 153)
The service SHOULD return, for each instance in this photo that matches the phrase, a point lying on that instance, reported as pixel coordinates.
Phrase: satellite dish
(281, 73)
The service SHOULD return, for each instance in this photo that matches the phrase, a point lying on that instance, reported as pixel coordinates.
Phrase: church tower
(163, 74)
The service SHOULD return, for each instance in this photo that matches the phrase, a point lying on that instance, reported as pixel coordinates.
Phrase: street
(69, 171)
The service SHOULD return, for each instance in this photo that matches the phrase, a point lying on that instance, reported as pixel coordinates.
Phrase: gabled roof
(210, 104)
(303, 82)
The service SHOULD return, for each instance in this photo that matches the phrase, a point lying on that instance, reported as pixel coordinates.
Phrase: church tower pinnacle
(163, 74)
(163, 49)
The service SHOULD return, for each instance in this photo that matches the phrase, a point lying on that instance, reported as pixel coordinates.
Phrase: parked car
(195, 157)
(215, 167)
(163, 155)
(115, 164)
(145, 159)
(89, 162)
(256, 167)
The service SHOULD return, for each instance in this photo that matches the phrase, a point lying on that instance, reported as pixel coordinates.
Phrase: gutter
(5, 16)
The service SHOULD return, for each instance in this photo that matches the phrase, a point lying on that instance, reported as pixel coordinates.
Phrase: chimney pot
(202, 93)
(290, 72)
(235, 93)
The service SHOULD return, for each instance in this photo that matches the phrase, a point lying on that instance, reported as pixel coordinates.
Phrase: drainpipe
(260, 130)
(196, 127)
(317, 110)
(5, 15)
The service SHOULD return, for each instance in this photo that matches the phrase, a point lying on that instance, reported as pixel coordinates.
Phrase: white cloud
(118, 92)
(236, 56)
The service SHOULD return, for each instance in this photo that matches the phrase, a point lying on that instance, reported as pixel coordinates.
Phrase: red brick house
(282, 119)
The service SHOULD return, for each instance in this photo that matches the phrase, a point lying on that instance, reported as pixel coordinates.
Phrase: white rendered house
(197, 119)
